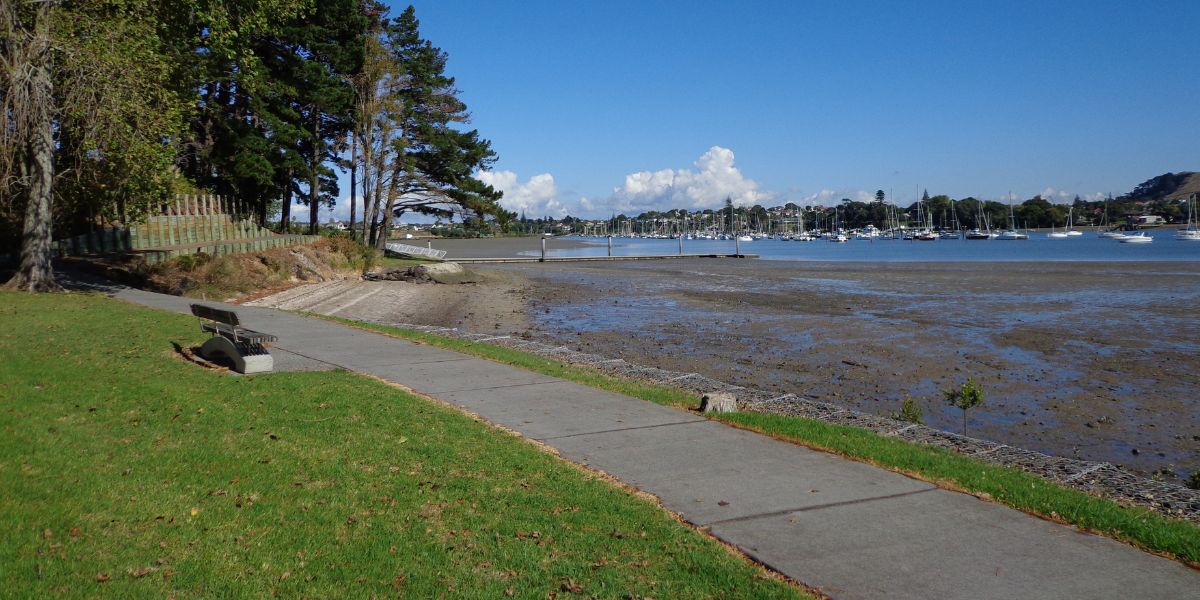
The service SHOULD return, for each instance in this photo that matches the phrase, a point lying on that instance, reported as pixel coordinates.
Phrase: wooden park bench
(246, 348)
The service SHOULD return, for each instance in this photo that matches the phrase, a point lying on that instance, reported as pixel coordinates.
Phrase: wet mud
(1086, 360)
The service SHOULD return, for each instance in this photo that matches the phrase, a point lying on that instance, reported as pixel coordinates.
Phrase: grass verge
(129, 473)
(1010, 486)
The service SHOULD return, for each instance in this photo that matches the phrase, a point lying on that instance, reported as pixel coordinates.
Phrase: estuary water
(1086, 248)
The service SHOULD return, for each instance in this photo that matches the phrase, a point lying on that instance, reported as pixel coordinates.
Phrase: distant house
(1135, 219)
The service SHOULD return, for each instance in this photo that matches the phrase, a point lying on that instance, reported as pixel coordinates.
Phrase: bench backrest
(227, 317)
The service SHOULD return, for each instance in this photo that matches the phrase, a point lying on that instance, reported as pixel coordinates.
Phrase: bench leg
(219, 347)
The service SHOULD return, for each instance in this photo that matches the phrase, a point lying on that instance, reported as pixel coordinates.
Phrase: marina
(1090, 246)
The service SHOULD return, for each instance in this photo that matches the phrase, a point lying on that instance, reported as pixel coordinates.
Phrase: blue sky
(603, 107)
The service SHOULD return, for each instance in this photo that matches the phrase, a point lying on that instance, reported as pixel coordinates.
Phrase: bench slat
(241, 333)
(225, 323)
(227, 317)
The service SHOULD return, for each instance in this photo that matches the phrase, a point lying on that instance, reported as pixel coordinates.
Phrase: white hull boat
(1137, 238)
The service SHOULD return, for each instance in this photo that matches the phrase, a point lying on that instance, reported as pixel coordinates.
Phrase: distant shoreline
(499, 247)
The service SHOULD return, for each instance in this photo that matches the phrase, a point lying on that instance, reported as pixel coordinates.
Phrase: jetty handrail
(415, 250)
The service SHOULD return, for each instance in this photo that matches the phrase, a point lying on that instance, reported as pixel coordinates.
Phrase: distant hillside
(1169, 186)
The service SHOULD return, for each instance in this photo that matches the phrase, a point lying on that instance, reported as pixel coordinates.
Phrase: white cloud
(1059, 196)
(823, 197)
(537, 197)
(1064, 197)
(828, 197)
(714, 178)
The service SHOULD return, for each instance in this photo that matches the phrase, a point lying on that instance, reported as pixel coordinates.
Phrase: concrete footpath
(852, 530)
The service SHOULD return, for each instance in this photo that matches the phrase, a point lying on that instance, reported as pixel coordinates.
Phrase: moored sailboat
(1190, 233)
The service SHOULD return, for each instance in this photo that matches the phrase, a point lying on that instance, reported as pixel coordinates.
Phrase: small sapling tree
(910, 412)
(965, 397)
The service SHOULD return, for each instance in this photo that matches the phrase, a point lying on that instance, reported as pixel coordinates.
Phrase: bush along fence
(190, 224)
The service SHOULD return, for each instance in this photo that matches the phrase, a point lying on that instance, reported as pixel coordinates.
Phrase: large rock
(447, 272)
(718, 402)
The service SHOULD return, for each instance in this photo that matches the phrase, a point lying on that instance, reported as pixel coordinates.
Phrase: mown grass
(127, 472)
(1006, 485)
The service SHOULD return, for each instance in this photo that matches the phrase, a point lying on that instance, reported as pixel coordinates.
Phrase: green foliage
(410, 122)
(1193, 480)
(910, 412)
(965, 397)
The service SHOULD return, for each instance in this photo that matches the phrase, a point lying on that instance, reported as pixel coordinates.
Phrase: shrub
(191, 262)
(910, 412)
(356, 253)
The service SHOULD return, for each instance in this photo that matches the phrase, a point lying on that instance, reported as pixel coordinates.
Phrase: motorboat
(1136, 238)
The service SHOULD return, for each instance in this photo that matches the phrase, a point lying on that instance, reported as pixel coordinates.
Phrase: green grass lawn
(1010, 486)
(127, 472)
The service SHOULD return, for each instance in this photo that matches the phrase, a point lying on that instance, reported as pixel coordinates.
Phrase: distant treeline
(1161, 196)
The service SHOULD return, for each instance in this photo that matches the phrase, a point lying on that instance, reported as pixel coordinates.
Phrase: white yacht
(1136, 238)
(1190, 233)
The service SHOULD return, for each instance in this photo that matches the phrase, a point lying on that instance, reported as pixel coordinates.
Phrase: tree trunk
(393, 194)
(380, 162)
(36, 274)
(314, 184)
(366, 194)
(353, 172)
(285, 214)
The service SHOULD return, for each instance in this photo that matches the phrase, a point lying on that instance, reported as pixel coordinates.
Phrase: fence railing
(188, 224)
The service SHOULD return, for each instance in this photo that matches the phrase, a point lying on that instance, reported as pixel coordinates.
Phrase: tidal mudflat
(1097, 361)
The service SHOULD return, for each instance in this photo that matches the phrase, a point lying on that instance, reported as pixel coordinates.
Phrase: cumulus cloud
(1065, 197)
(1054, 195)
(713, 178)
(828, 197)
(537, 197)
